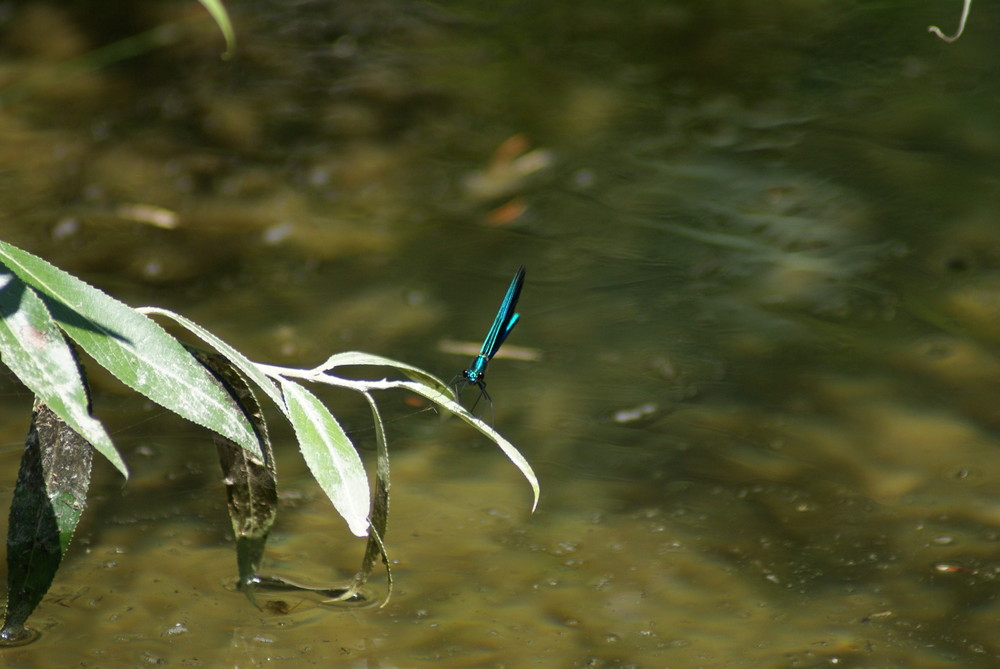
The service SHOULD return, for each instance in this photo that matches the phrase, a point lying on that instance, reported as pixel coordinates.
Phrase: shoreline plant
(47, 315)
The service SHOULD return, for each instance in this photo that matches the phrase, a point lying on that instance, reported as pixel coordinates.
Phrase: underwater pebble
(177, 628)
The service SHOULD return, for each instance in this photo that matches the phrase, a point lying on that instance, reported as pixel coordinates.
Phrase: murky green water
(757, 367)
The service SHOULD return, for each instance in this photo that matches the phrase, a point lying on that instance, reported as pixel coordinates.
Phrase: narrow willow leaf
(34, 348)
(221, 17)
(380, 507)
(133, 348)
(354, 593)
(446, 402)
(49, 498)
(251, 487)
(966, 5)
(330, 455)
(358, 358)
(240, 361)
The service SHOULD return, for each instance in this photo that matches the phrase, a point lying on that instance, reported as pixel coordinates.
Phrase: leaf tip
(359, 528)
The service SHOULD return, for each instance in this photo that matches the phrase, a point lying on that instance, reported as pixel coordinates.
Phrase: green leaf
(356, 358)
(218, 12)
(251, 487)
(240, 361)
(34, 348)
(133, 348)
(330, 455)
(49, 498)
(380, 508)
(508, 448)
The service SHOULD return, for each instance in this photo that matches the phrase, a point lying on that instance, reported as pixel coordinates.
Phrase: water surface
(757, 361)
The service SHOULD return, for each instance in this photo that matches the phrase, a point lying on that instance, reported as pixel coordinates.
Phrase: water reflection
(762, 293)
